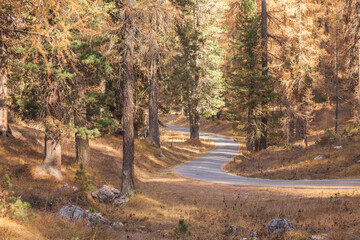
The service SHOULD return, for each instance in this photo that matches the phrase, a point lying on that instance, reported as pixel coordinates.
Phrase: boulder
(338, 147)
(120, 201)
(318, 157)
(71, 212)
(106, 194)
(279, 225)
(95, 218)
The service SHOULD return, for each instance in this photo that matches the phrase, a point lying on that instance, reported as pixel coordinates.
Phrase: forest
(180, 119)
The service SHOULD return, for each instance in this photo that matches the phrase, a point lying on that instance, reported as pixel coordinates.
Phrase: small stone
(338, 147)
(117, 225)
(253, 235)
(106, 194)
(279, 225)
(120, 201)
(95, 218)
(296, 147)
(319, 237)
(318, 157)
(71, 212)
(233, 228)
(75, 189)
(358, 161)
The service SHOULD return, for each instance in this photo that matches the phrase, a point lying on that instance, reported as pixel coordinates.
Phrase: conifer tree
(251, 91)
(197, 65)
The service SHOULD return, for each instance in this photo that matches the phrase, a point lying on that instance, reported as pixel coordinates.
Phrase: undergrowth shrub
(21, 210)
(328, 138)
(182, 230)
(6, 182)
(83, 180)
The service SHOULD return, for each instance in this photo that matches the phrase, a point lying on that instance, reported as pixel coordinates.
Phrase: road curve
(209, 169)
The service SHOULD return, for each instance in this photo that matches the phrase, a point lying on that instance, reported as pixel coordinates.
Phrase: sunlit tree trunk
(52, 150)
(3, 91)
(81, 139)
(336, 84)
(154, 133)
(357, 91)
(127, 186)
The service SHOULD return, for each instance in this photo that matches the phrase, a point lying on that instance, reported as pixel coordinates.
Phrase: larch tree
(128, 75)
(48, 29)
(352, 52)
(302, 53)
(155, 21)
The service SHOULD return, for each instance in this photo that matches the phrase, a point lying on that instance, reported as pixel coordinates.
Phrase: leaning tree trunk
(154, 135)
(4, 130)
(52, 151)
(264, 36)
(81, 138)
(127, 186)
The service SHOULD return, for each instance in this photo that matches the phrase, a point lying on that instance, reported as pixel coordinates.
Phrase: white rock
(318, 157)
(120, 201)
(279, 225)
(117, 225)
(338, 147)
(71, 212)
(320, 237)
(358, 161)
(106, 194)
(95, 218)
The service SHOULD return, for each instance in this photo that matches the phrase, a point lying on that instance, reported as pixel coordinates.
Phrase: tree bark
(264, 36)
(52, 150)
(154, 135)
(336, 85)
(127, 186)
(4, 130)
(81, 141)
(195, 128)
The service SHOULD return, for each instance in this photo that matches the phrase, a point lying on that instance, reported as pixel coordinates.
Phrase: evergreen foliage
(250, 91)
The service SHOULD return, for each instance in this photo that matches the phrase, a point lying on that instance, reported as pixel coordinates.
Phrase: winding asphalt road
(209, 168)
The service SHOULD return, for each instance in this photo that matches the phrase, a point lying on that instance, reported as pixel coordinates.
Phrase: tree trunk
(127, 186)
(336, 85)
(52, 154)
(81, 140)
(195, 129)
(52, 150)
(154, 135)
(357, 92)
(4, 130)
(264, 36)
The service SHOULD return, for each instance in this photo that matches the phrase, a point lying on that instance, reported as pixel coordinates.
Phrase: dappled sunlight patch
(10, 229)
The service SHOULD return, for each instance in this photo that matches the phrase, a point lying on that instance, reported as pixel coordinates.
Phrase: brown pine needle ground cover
(163, 199)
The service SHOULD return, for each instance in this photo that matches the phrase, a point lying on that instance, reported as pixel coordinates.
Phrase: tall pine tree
(251, 90)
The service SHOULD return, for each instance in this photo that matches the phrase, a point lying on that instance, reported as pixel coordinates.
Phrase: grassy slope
(281, 163)
(208, 209)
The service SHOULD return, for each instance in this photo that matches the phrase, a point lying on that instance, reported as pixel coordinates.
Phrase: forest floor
(163, 198)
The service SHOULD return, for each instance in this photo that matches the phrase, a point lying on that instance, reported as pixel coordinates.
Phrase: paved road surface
(209, 168)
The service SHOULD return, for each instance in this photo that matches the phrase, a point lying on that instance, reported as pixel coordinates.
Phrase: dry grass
(279, 162)
(163, 198)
